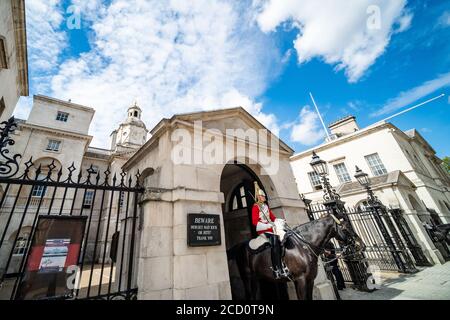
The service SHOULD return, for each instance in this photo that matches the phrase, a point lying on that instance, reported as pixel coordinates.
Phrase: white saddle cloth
(258, 242)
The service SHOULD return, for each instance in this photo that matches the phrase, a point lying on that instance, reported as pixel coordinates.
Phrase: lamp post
(320, 167)
(364, 181)
(356, 267)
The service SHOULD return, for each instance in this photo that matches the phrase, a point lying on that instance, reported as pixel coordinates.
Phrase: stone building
(196, 163)
(170, 269)
(404, 169)
(57, 132)
(13, 56)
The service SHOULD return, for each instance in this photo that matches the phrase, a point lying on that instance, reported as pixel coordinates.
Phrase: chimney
(343, 126)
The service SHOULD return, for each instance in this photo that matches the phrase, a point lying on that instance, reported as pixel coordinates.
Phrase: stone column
(155, 265)
(168, 268)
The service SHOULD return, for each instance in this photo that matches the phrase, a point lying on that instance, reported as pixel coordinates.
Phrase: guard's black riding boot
(276, 256)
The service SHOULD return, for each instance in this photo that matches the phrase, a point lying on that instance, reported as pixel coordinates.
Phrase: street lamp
(319, 166)
(362, 177)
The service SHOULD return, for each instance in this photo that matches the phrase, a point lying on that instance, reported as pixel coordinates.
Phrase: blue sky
(265, 55)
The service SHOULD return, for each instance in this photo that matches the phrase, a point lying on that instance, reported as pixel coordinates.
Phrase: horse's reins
(308, 245)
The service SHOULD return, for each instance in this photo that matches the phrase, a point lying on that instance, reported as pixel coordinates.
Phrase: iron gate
(390, 244)
(109, 201)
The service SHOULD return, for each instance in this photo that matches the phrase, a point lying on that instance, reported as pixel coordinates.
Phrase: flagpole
(320, 117)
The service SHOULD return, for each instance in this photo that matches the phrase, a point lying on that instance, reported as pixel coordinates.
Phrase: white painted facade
(13, 56)
(413, 179)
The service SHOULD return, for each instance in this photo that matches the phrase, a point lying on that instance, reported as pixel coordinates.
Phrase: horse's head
(344, 233)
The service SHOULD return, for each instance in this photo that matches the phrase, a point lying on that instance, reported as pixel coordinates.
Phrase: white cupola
(132, 132)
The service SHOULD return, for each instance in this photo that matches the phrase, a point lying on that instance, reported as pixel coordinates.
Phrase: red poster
(56, 247)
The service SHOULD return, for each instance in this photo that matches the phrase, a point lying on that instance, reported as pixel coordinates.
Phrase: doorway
(237, 185)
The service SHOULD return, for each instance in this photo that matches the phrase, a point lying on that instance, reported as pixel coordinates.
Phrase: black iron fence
(390, 244)
(109, 201)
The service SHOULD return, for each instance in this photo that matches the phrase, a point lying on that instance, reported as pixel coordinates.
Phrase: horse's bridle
(309, 245)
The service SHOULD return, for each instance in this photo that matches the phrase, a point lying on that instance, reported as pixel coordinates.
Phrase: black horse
(303, 245)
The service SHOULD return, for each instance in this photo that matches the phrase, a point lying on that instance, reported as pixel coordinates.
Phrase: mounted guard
(269, 228)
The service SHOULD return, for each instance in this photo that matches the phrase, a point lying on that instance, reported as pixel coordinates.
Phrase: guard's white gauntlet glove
(263, 226)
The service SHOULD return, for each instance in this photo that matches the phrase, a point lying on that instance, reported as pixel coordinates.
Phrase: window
(315, 180)
(135, 113)
(2, 106)
(375, 164)
(3, 54)
(121, 199)
(239, 199)
(62, 116)
(53, 145)
(88, 199)
(39, 190)
(21, 244)
(342, 173)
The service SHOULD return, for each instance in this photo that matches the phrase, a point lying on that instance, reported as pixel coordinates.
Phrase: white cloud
(407, 97)
(344, 33)
(173, 57)
(444, 19)
(45, 42)
(308, 130)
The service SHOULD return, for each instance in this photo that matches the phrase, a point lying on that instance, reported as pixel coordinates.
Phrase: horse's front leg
(309, 289)
(301, 288)
(254, 287)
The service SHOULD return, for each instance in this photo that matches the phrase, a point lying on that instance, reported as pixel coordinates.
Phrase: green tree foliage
(446, 164)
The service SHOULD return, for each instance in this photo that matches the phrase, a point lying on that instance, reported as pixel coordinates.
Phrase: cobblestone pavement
(429, 283)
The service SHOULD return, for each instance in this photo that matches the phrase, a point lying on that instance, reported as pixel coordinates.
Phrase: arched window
(3, 54)
(362, 205)
(20, 246)
(114, 246)
(240, 197)
(135, 113)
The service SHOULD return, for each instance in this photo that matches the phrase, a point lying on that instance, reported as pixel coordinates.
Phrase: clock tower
(131, 133)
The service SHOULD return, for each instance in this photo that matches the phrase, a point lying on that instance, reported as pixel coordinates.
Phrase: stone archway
(237, 185)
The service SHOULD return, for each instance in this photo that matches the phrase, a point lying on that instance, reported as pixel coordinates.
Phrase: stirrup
(285, 272)
(276, 273)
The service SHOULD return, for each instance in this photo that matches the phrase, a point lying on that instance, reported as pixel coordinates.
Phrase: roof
(415, 135)
(392, 178)
(329, 144)
(341, 120)
(191, 116)
(63, 102)
(135, 106)
(216, 113)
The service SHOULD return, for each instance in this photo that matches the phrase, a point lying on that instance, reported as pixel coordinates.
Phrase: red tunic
(257, 217)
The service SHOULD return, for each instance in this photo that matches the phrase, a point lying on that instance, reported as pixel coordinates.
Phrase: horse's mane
(305, 228)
